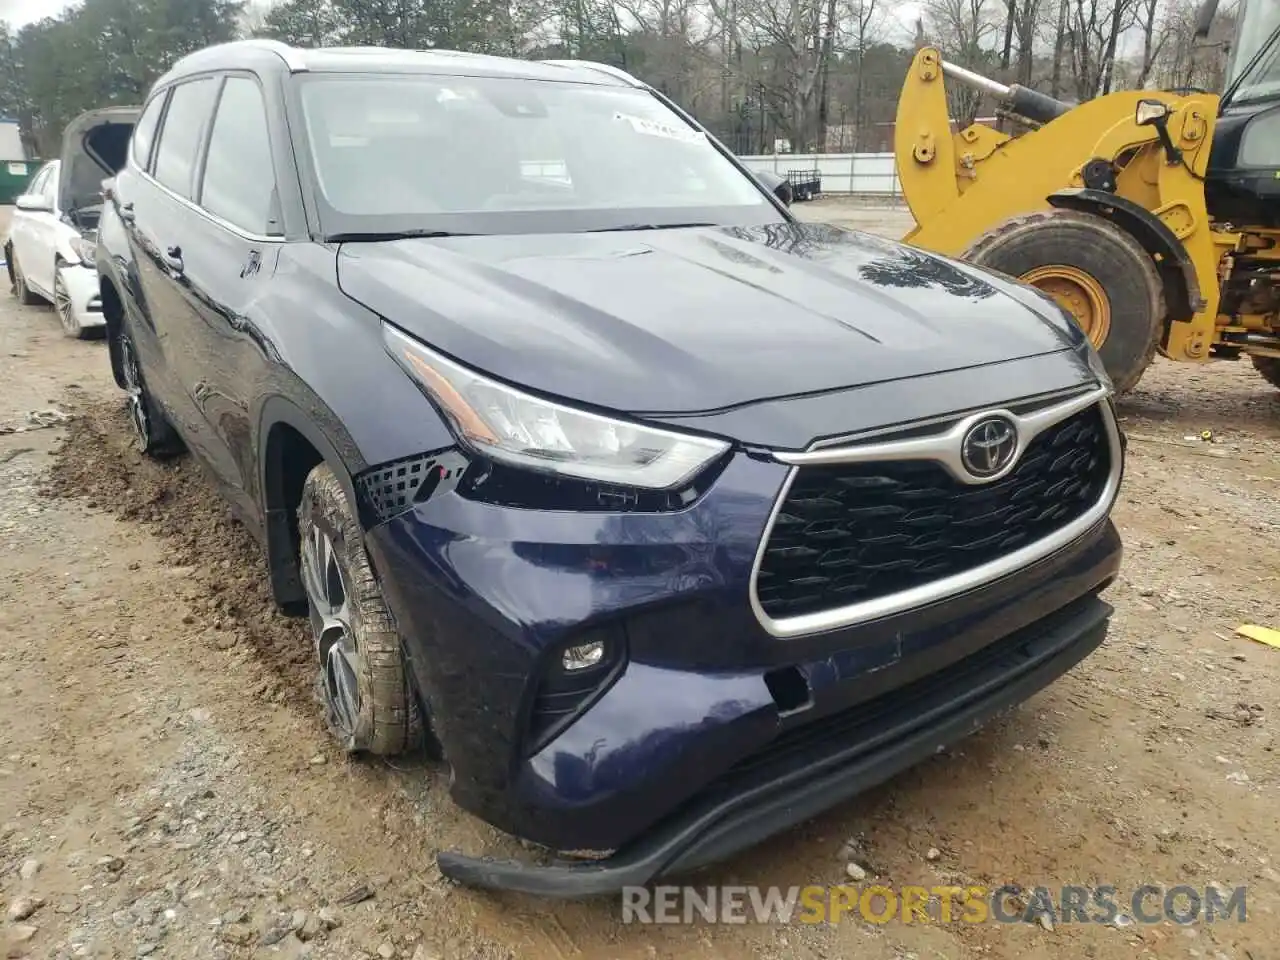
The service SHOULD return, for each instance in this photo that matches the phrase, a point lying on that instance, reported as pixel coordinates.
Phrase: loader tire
(1101, 275)
(1269, 368)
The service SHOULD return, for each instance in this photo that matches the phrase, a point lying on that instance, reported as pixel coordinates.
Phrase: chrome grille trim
(943, 448)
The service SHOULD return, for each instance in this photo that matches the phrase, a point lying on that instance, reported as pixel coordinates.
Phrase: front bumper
(81, 283)
(486, 596)
(805, 774)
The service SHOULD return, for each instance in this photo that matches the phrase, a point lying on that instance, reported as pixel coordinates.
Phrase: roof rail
(291, 56)
(615, 72)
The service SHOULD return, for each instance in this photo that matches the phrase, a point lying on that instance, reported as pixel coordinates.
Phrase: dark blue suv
(668, 520)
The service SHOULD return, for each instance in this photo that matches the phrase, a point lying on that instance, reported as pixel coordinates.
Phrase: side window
(189, 107)
(50, 186)
(144, 132)
(239, 179)
(40, 180)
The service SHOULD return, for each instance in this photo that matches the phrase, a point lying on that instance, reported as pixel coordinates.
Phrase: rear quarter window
(144, 133)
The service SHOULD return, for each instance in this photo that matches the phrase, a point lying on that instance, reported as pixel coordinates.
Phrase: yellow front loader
(1153, 217)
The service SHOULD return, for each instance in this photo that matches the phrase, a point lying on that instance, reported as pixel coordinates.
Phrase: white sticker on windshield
(656, 128)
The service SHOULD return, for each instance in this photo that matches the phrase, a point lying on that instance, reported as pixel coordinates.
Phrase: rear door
(46, 228)
(165, 226)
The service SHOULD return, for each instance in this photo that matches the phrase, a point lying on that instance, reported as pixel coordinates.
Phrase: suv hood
(686, 320)
(94, 147)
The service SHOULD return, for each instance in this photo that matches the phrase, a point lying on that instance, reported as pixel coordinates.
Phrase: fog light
(583, 656)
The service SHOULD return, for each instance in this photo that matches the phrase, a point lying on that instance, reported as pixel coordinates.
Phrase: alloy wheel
(330, 609)
(139, 418)
(19, 282)
(62, 303)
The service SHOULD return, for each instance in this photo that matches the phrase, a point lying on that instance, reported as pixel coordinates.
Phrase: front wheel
(63, 303)
(364, 679)
(1095, 271)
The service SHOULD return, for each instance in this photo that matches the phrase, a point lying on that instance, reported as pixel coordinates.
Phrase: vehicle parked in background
(669, 520)
(52, 235)
(806, 184)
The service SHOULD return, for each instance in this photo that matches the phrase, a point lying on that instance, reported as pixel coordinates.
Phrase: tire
(1269, 368)
(153, 434)
(369, 703)
(25, 294)
(66, 315)
(1099, 273)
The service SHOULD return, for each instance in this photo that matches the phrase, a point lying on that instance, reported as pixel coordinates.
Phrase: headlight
(84, 248)
(514, 427)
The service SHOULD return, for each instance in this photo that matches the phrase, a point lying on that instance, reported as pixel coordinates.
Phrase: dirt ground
(167, 787)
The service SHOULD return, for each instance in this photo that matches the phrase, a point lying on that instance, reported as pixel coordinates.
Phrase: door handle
(173, 259)
(126, 212)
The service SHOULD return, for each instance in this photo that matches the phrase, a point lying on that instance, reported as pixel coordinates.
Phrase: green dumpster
(14, 177)
(16, 170)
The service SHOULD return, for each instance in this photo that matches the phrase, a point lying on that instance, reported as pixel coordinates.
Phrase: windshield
(1258, 20)
(395, 153)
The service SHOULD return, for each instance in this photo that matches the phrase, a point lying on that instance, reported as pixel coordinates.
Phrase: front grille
(851, 533)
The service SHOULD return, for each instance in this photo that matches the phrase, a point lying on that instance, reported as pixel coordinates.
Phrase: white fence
(870, 173)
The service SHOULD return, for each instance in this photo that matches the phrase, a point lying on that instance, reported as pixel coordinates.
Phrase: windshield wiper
(375, 237)
(649, 226)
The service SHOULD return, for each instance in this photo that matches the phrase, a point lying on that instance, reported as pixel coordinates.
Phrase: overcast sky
(18, 12)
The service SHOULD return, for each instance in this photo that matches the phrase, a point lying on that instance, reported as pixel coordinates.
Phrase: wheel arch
(1173, 262)
(289, 446)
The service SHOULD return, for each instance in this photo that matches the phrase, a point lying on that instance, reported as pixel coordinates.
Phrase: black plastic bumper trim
(721, 826)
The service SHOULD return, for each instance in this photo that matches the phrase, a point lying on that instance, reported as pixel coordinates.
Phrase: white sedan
(53, 234)
(49, 259)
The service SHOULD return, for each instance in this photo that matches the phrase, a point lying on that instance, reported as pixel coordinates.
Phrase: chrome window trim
(945, 449)
(211, 217)
(132, 163)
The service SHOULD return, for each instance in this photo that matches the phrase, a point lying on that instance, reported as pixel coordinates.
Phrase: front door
(229, 258)
(33, 234)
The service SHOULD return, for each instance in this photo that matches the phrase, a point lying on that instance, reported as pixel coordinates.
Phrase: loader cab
(1242, 183)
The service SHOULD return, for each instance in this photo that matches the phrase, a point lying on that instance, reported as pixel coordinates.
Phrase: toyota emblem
(989, 447)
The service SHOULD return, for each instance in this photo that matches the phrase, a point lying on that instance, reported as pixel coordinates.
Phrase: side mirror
(780, 187)
(33, 203)
(1150, 111)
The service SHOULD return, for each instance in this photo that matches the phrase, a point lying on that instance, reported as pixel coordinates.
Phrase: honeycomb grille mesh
(850, 533)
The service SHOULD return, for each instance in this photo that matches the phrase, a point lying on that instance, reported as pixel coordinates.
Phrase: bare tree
(1093, 33)
(788, 37)
(866, 18)
(1182, 61)
(1156, 29)
(967, 31)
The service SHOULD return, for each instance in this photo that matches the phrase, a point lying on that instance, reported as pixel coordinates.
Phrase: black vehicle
(667, 519)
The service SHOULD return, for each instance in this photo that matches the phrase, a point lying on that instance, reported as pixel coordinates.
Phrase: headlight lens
(84, 248)
(516, 428)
